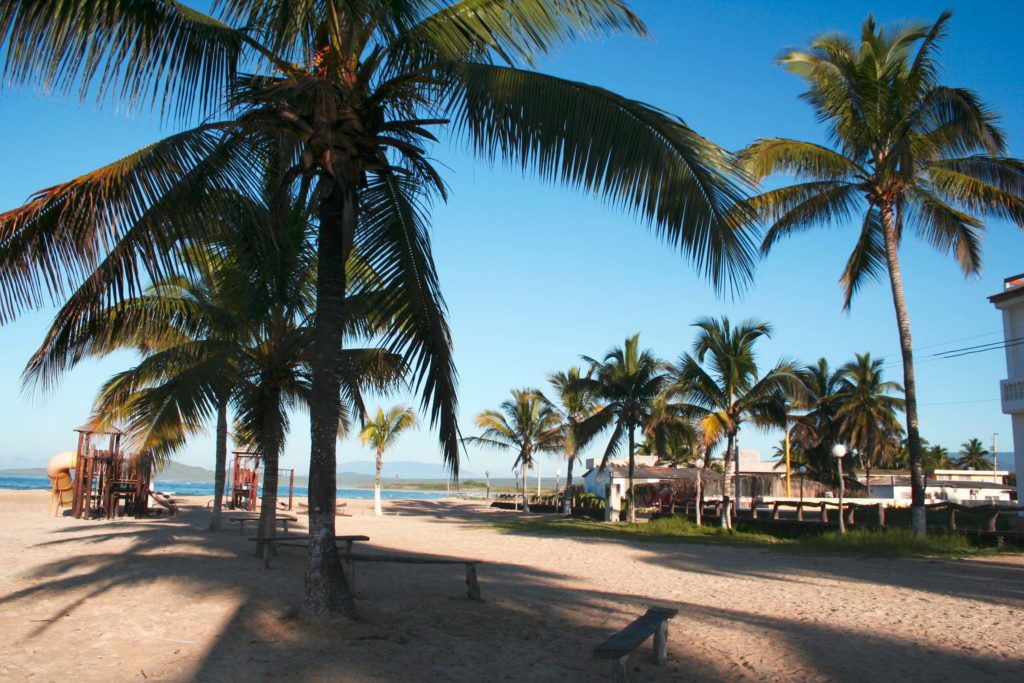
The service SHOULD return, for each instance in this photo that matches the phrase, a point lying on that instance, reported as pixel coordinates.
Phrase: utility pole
(995, 459)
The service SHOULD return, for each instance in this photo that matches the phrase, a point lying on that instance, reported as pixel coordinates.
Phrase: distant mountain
(403, 469)
(177, 471)
(26, 472)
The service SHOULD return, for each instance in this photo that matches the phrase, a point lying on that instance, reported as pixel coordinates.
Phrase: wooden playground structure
(245, 481)
(105, 478)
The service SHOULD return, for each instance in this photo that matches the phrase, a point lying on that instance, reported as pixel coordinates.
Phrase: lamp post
(515, 496)
(700, 466)
(558, 475)
(838, 452)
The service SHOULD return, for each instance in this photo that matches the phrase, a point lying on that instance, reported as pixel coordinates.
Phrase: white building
(955, 486)
(614, 479)
(1011, 302)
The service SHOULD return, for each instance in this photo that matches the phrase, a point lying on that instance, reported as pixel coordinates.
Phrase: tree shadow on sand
(416, 621)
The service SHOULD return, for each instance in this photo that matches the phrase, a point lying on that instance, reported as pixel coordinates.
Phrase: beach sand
(164, 599)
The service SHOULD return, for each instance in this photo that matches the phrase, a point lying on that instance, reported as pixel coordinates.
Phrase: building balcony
(1012, 393)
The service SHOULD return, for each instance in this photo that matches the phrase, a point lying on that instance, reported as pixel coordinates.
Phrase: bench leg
(622, 669)
(472, 587)
(661, 643)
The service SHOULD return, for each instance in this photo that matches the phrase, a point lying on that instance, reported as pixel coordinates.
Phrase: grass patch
(891, 543)
(663, 530)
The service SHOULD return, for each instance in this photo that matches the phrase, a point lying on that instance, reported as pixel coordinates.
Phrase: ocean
(186, 488)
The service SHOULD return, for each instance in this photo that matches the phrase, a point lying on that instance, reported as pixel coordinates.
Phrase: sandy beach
(164, 599)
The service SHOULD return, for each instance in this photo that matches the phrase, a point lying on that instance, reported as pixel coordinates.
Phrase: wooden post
(661, 643)
(291, 488)
(472, 587)
(800, 510)
(881, 515)
(991, 526)
(775, 510)
(824, 513)
(851, 508)
(952, 519)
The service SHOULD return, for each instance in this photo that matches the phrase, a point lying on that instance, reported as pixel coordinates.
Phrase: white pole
(538, 477)
(995, 459)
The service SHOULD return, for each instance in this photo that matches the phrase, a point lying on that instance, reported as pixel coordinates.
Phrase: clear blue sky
(535, 276)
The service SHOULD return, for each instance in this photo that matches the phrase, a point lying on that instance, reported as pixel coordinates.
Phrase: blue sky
(535, 275)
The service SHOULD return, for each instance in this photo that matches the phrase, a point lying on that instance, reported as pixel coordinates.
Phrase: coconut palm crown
(908, 154)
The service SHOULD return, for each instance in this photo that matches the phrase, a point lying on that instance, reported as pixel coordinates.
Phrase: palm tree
(866, 409)
(973, 456)
(577, 402)
(356, 89)
(381, 433)
(629, 382)
(908, 152)
(527, 424)
(720, 386)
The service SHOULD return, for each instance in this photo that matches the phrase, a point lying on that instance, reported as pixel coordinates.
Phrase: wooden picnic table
(302, 541)
(283, 520)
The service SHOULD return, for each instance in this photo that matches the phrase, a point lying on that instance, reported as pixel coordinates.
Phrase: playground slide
(165, 501)
(59, 470)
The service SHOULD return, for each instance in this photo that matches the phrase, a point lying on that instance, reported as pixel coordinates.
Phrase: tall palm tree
(973, 456)
(576, 403)
(382, 432)
(629, 382)
(906, 151)
(866, 409)
(359, 90)
(527, 424)
(719, 384)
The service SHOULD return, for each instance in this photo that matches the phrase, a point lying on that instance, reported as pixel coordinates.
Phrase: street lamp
(700, 465)
(839, 452)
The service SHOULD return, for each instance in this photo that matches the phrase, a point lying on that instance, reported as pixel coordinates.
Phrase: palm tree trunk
(327, 589)
(727, 480)
(270, 449)
(526, 502)
(221, 463)
(632, 465)
(917, 482)
(567, 503)
(376, 484)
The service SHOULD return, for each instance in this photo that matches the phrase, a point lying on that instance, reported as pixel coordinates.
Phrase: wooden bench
(472, 586)
(622, 644)
(283, 520)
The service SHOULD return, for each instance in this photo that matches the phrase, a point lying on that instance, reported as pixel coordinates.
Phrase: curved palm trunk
(221, 464)
(737, 478)
(632, 465)
(917, 481)
(526, 502)
(567, 502)
(727, 481)
(376, 484)
(327, 589)
(273, 438)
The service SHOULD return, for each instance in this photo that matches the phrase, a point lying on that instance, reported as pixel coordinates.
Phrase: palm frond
(150, 52)
(636, 157)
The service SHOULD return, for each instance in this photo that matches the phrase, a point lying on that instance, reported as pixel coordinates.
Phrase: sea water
(187, 488)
